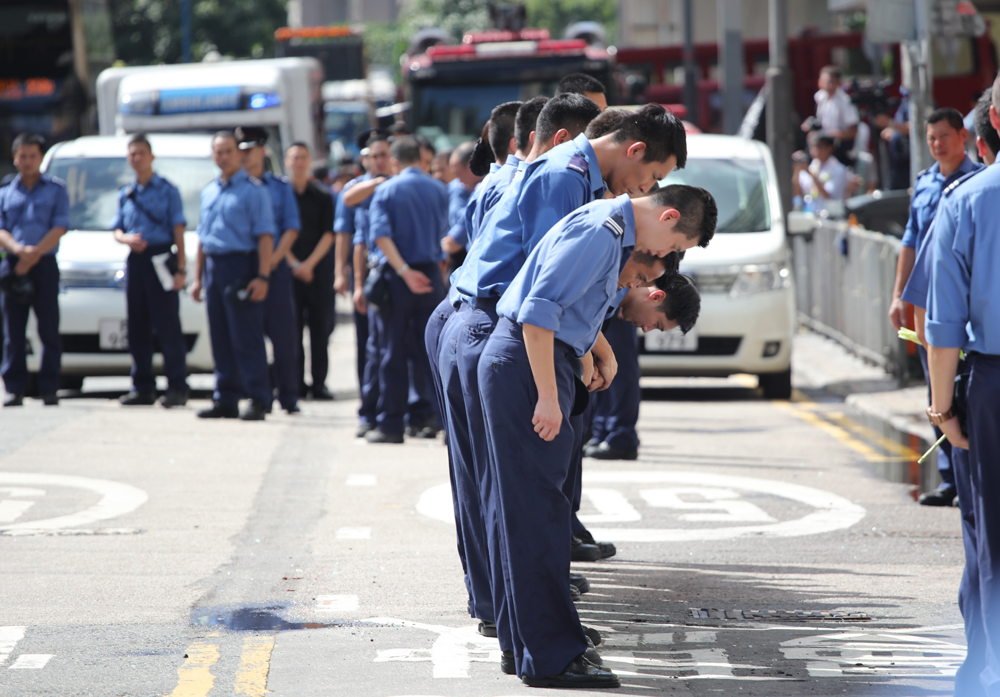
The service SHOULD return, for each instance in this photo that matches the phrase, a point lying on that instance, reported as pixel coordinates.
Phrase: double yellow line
(195, 678)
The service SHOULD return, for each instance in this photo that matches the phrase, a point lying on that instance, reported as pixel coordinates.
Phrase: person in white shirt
(835, 113)
(825, 179)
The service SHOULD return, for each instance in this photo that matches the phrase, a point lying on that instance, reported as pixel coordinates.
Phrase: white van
(744, 275)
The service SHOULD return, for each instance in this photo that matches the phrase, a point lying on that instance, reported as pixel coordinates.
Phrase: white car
(93, 324)
(744, 275)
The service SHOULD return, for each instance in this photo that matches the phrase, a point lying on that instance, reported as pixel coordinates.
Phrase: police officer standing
(150, 220)
(235, 243)
(946, 135)
(311, 266)
(34, 214)
(279, 307)
(409, 217)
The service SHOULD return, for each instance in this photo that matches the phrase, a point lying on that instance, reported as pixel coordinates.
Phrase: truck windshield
(452, 114)
(93, 185)
(739, 188)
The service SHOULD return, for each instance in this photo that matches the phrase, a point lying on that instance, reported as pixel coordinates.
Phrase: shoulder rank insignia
(578, 163)
(615, 223)
(254, 180)
(948, 190)
(922, 172)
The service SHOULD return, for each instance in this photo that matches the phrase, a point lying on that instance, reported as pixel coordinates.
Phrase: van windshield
(93, 184)
(739, 188)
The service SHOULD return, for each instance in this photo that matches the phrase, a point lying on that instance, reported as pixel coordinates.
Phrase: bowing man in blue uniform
(280, 324)
(150, 220)
(34, 214)
(235, 243)
(962, 314)
(551, 316)
(409, 216)
(946, 137)
(460, 190)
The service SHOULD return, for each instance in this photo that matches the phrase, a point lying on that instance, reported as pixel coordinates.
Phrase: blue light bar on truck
(186, 101)
(264, 101)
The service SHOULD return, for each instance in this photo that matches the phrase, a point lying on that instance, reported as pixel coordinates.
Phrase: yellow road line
(254, 665)
(833, 430)
(194, 677)
(872, 436)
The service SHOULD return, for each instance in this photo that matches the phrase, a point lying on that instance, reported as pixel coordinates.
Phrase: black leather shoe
(594, 657)
(428, 433)
(174, 398)
(603, 451)
(583, 552)
(138, 399)
(580, 673)
(14, 399)
(487, 629)
(593, 636)
(507, 663)
(363, 430)
(574, 594)
(580, 582)
(294, 409)
(377, 436)
(255, 410)
(218, 410)
(944, 495)
(607, 548)
(321, 394)
(50, 399)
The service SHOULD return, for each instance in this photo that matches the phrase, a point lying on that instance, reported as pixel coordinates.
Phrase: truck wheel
(776, 385)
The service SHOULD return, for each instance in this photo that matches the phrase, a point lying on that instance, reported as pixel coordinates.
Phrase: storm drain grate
(708, 614)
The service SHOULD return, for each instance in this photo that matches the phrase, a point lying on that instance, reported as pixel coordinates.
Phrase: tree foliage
(149, 31)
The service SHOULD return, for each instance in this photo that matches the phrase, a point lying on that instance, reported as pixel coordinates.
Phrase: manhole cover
(709, 614)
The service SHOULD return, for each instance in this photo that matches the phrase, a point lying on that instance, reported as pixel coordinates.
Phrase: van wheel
(776, 385)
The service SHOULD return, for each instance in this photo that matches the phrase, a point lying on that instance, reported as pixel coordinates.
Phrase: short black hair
(321, 172)
(399, 129)
(525, 122)
(952, 116)
(579, 83)
(699, 213)
(570, 111)
(821, 138)
(27, 138)
(405, 150)
(662, 132)
(984, 129)
(140, 139)
(501, 128)
(424, 142)
(608, 122)
(299, 144)
(833, 71)
(464, 152)
(683, 302)
(482, 155)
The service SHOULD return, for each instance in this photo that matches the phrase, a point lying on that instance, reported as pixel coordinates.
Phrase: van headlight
(759, 278)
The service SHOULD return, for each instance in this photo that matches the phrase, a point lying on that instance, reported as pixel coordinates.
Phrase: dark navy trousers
(984, 466)
(151, 308)
(401, 337)
(534, 511)
(237, 330)
(944, 455)
(574, 482)
(312, 310)
(280, 326)
(617, 409)
(368, 411)
(14, 369)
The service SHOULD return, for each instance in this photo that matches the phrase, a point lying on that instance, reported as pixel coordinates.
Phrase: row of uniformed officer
(955, 278)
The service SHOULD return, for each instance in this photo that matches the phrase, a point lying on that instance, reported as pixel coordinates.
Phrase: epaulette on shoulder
(56, 180)
(615, 223)
(254, 180)
(961, 180)
(578, 163)
(922, 172)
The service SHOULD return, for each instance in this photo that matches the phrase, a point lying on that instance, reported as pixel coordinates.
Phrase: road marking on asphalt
(117, 499)
(910, 653)
(354, 533)
(336, 603)
(255, 662)
(832, 512)
(361, 480)
(452, 653)
(194, 676)
(10, 509)
(842, 430)
(9, 636)
(613, 507)
(31, 661)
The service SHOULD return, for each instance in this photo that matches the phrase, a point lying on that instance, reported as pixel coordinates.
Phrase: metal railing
(844, 280)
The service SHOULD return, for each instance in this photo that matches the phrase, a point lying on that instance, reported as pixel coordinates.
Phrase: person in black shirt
(309, 258)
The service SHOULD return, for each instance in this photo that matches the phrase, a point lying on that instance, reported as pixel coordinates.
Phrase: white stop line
(116, 499)
(720, 494)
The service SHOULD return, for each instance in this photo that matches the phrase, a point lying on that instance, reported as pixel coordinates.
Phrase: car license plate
(671, 342)
(113, 334)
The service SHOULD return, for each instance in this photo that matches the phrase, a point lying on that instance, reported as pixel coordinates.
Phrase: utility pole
(690, 74)
(185, 31)
(731, 64)
(780, 137)
(921, 87)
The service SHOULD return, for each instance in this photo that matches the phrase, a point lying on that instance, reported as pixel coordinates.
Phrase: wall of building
(319, 13)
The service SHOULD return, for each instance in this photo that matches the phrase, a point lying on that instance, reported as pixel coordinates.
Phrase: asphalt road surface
(144, 552)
